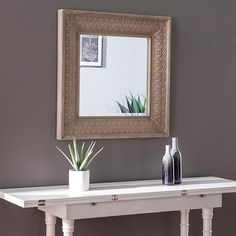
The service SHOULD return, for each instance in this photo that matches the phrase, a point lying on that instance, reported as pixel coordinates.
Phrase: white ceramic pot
(78, 181)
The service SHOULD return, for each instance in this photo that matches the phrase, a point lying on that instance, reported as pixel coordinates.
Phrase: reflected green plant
(134, 105)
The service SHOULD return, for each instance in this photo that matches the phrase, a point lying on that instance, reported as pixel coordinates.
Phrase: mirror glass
(114, 76)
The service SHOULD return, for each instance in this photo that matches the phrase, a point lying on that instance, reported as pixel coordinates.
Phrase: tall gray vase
(176, 154)
(168, 168)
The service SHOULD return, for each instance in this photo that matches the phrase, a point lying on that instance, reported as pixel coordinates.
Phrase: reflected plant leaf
(134, 105)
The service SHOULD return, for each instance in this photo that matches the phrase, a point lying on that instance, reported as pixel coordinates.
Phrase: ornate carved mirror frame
(72, 23)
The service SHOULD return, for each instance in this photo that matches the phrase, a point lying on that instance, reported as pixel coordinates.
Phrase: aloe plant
(80, 159)
(134, 105)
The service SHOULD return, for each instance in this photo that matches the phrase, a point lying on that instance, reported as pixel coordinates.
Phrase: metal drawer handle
(114, 198)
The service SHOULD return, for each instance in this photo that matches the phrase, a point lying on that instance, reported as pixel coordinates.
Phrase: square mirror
(113, 75)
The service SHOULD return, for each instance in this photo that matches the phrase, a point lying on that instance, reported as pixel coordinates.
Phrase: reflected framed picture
(91, 50)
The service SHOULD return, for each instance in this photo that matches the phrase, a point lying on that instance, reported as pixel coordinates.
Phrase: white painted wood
(67, 227)
(105, 192)
(50, 221)
(124, 198)
(184, 222)
(207, 215)
(142, 206)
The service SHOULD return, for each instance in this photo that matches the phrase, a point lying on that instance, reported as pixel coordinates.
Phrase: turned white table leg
(68, 227)
(184, 222)
(50, 221)
(207, 215)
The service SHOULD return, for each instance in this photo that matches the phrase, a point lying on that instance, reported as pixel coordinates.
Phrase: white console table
(124, 198)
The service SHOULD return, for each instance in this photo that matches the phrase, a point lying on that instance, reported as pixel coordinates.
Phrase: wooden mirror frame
(72, 23)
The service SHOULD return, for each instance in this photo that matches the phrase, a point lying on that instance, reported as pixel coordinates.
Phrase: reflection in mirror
(114, 76)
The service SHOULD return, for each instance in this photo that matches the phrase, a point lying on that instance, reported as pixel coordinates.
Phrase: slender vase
(176, 154)
(168, 168)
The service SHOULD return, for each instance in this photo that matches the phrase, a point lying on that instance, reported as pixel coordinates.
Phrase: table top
(105, 192)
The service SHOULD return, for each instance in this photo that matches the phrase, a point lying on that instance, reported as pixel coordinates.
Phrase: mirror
(113, 75)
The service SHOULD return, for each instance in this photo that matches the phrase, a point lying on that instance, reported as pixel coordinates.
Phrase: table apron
(130, 207)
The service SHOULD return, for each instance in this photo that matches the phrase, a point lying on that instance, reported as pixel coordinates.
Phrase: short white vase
(78, 181)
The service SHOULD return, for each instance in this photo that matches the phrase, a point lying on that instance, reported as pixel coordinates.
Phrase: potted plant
(80, 160)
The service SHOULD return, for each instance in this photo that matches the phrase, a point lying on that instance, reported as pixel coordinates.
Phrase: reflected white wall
(125, 69)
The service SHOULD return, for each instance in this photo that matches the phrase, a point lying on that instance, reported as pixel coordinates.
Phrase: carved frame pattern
(71, 23)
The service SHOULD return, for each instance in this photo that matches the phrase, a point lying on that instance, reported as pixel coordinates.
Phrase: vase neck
(167, 149)
(175, 142)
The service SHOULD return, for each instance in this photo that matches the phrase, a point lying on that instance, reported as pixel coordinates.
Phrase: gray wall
(202, 111)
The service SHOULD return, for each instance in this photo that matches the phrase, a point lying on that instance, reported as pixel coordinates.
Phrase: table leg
(68, 227)
(207, 215)
(184, 222)
(50, 221)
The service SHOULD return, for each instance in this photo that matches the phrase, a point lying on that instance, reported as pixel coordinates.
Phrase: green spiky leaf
(122, 108)
(129, 104)
(144, 105)
(68, 159)
(135, 104)
(76, 153)
(82, 153)
(91, 159)
(73, 157)
(140, 105)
